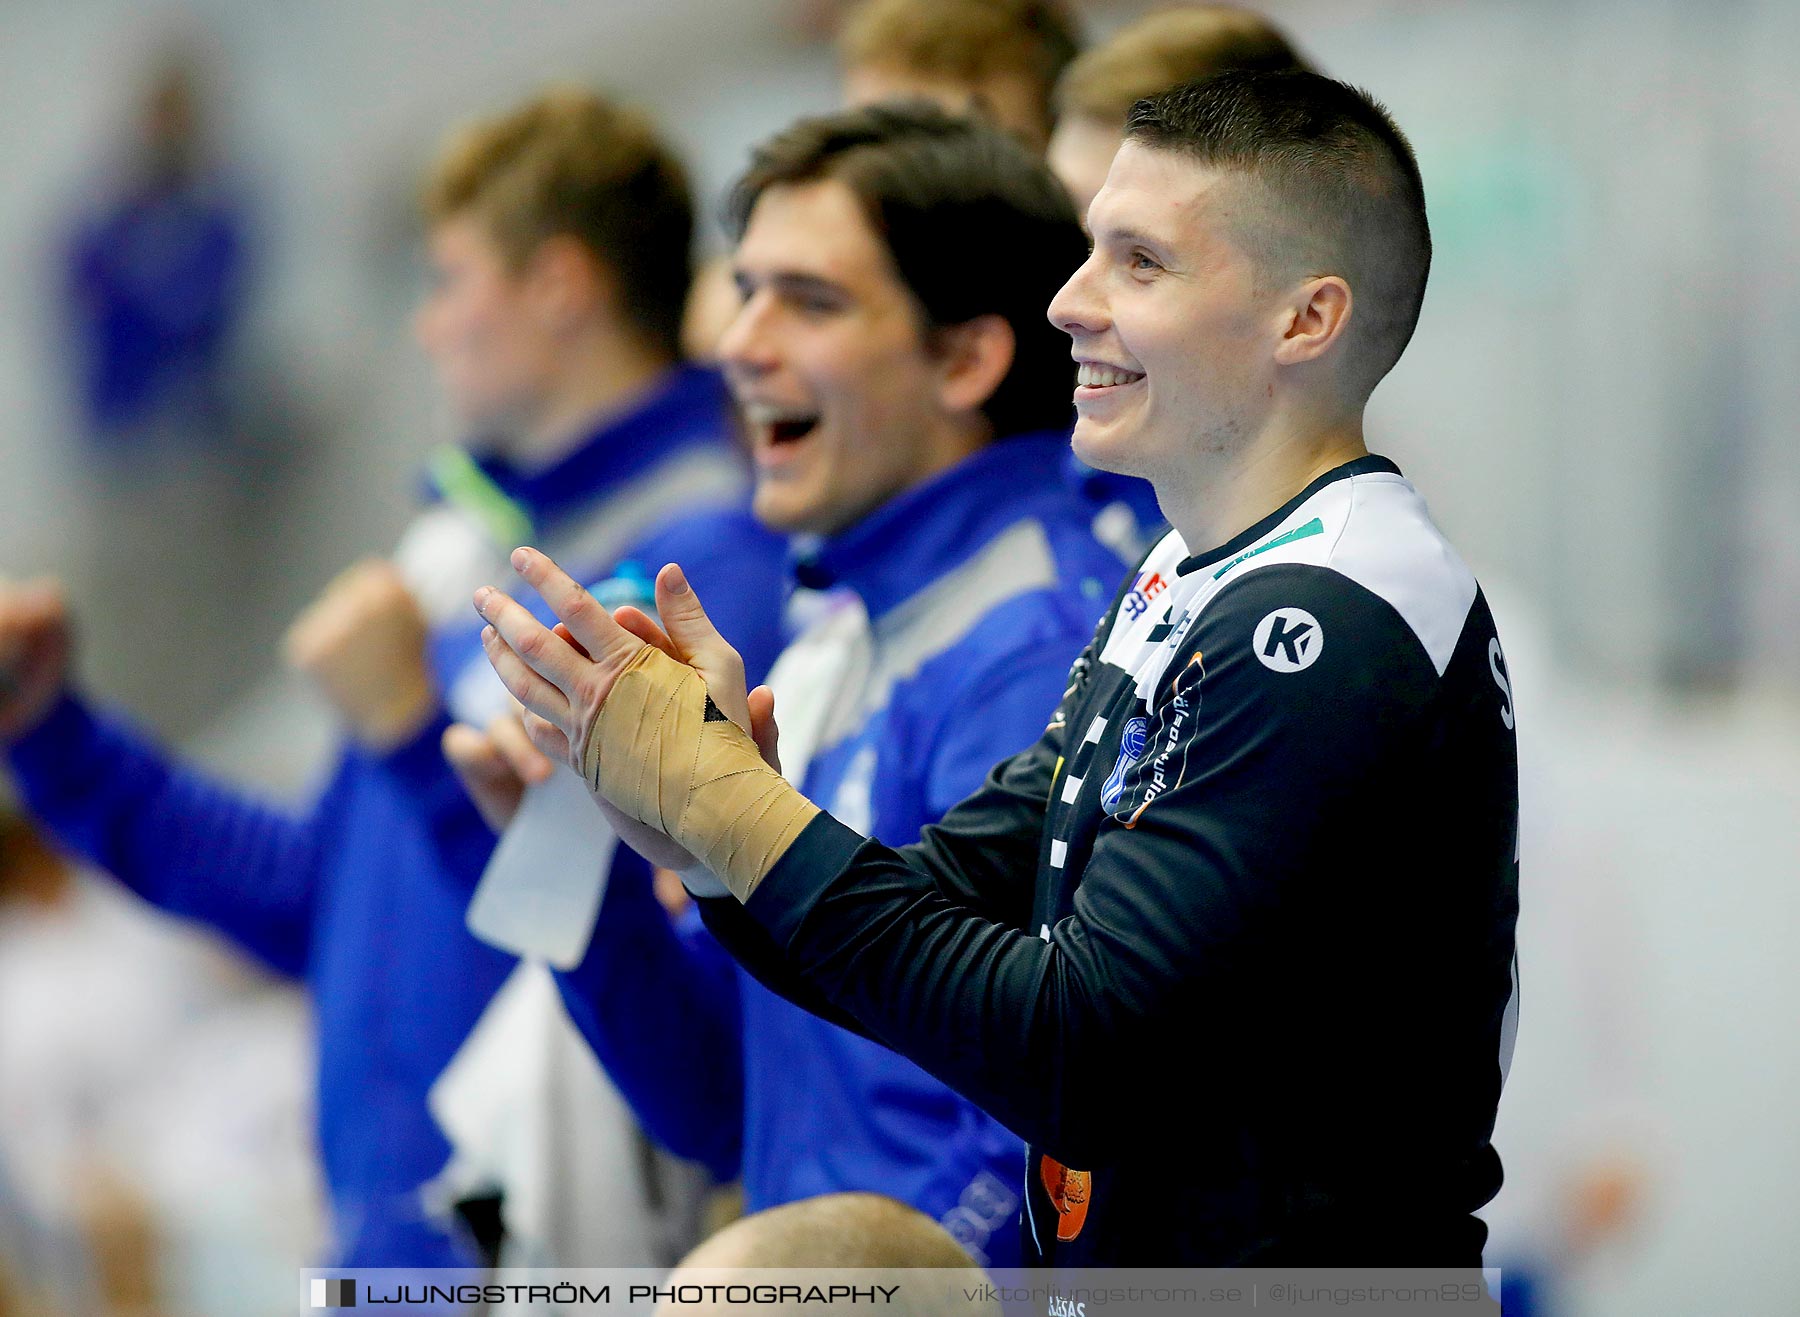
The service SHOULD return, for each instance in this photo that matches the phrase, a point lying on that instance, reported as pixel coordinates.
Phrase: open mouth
(1089, 375)
(792, 430)
(777, 426)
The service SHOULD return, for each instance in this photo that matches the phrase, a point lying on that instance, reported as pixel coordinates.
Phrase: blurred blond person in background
(998, 59)
(1157, 52)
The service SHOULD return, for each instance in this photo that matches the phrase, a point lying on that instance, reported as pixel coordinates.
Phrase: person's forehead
(1163, 194)
(816, 228)
(871, 84)
(462, 237)
(1082, 142)
(1011, 99)
(1078, 128)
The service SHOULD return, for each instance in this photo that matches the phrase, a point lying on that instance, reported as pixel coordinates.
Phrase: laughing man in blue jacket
(906, 402)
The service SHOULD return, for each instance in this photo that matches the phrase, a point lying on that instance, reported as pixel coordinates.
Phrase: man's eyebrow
(1126, 236)
(793, 282)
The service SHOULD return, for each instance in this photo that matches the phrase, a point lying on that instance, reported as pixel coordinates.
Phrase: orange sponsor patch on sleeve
(1069, 1193)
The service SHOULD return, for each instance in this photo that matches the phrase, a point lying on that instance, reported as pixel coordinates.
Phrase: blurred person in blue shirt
(559, 239)
(157, 277)
(908, 421)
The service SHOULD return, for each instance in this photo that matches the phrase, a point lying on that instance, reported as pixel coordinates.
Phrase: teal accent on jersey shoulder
(1313, 527)
(465, 485)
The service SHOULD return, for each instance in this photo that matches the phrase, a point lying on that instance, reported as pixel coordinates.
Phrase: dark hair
(1346, 190)
(940, 190)
(571, 162)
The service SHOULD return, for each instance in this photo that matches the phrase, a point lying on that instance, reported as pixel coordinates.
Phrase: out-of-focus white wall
(1595, 399)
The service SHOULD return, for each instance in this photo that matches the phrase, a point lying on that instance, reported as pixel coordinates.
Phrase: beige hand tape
(656, 754)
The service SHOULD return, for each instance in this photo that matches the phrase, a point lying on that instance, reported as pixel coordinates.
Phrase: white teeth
(764, 413)
(1102, 377)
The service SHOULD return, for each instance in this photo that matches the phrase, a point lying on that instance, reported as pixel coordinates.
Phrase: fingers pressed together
(560, 674)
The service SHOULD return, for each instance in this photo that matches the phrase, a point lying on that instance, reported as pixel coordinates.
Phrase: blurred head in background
(1159, 51)
(894, 263)
(173, 118)
(869, 1233)
(996, 58)
(559, 238)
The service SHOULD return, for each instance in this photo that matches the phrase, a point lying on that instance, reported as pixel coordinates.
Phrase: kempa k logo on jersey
(1288, 640)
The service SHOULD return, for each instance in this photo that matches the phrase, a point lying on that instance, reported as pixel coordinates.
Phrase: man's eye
(1144, 261)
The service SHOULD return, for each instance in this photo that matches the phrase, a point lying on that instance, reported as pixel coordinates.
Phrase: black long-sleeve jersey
(1231, 946)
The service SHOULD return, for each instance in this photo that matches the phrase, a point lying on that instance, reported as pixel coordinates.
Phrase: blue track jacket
(349, 894)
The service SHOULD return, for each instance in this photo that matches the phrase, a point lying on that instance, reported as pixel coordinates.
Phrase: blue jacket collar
(918, 535)
(687, 406)
(1103, 487)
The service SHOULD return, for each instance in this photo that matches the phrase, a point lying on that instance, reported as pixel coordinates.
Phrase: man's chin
(1103, 448)
(498, 429)
(772, 510)
(785, 510)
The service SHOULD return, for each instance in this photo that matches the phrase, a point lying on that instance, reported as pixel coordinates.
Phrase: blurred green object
(465, 485)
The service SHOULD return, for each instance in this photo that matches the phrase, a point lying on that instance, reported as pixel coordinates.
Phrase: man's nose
(1077, 308)
(747, 346)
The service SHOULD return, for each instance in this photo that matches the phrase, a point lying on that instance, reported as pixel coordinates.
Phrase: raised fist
(363, 642)
(496, 765)
(34, 654)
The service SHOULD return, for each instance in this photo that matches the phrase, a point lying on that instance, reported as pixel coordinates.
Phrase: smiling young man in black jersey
(1231, 946)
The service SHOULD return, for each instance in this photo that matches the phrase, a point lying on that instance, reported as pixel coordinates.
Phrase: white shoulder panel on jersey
(1153, 593)
(1376, 530)
(1017, 561)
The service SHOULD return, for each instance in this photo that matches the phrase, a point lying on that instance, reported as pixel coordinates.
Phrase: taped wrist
(664, 754)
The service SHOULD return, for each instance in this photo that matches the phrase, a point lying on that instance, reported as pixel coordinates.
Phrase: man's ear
(568, 284)
(973, 358)
(1318, 315)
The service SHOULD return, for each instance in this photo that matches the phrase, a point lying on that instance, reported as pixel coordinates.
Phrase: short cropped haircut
(967, 40)
(1345, 190)
(976, 225)
(1165, 49)
(834, 1230)
(872, 1233)
(573, 163)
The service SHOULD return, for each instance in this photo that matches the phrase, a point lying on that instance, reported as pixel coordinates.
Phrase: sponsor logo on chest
(1149, 586)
